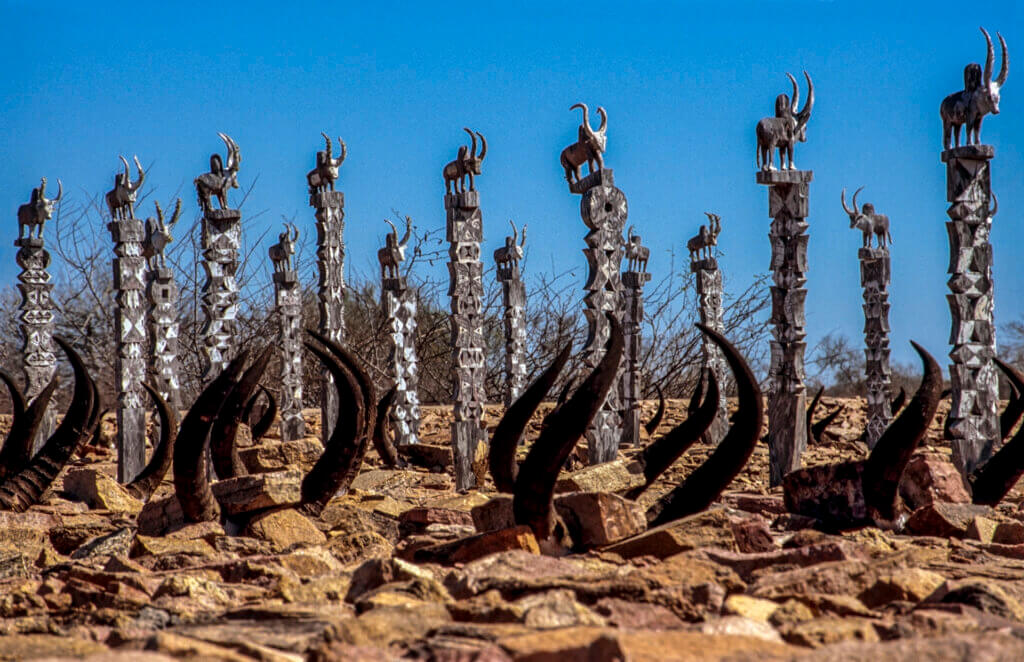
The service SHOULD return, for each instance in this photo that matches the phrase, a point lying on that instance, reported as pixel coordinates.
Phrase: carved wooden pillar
(36, 315)
(399, 304)
(974, 416)
(632, 327)
(222, 234)
(330, 253)
(288, 300)
(874, 278)
(466, 288)
(787, 397)
(603, 208)
(130, 278)
(513, 297)
(709, 296)
(162, 292)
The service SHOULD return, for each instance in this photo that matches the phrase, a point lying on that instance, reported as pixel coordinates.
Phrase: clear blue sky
(684, 85)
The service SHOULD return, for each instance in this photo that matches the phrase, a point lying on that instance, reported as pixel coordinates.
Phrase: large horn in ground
(811, 409)
(223, 449)
(17, 451)
(150, 478)
(652, 425)
(884, 466)
(992, 481)
(381, 440)
(661, 454)
(1014, 409)
(535, 484)
(8, 453)
(708, 480)
(818, 429)
(898, 402)
(502, 457)
(262, 426)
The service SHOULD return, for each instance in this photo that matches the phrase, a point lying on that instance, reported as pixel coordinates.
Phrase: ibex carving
(979, 97)
(281, 253)
(158, 235)
(636, 253)
(466, 164)
(37, 210)
(220, 178)
(787, 128)
(700, 245)
(393, 252)
(867, 221)
(322, 177)
(509, 255)
(121, 200)
(589, 147)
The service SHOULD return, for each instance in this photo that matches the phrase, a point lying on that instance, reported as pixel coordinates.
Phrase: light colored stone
(99, 490)
(901, 584)
(285, 529)
(755, 609)
(710, 528)
(614, 476)
(246, 494)
(600, 518)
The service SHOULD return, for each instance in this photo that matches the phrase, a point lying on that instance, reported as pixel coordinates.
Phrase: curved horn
(515, 232)
(1005, 69)
(19, 492)
(586, 113)
(329, 147)
(344, 152)
(563, 395)
(295, 232)
(17, 452)
(995, 205)
(992, 481)
(629, 232)
(146, 482)
(223, 449)
(842, 199)
(381, 440)
(483, 145)
(706, 482)
(1014, 409)
(260, 428)
(885, 464)
(990, 57)
(662, 454)
(60, 191)
(604, 120)
(127, 172)
(142, 175)
(698, 393)
(8, 464)
(394, 230)
(794, 101)
(652, 425)
(535, 484)
(522, 239)
(810, 413)
(40, 193)
(408, 232)
(472, 137)
(818, 429)
(898, 402)
(191, 471)
(507, 435)
(805, 115)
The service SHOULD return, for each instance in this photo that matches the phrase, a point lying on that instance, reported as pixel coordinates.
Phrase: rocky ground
(85, 575)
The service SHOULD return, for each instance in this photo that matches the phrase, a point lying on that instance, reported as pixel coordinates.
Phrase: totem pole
(973, 416)
(709, 292)
(787, 204)
(221, 237)
(330, 252)
(874, 278)
(465, 231)
(633, 280)
(513, 296)
(36, 304)
(288, 301)
(162, 292)
(399, 305)
(603, 208)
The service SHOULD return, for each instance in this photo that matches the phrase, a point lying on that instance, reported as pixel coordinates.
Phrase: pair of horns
(990, 59)
(25, 421)
(483, 144)
(992, 481)
(586, 117)
(803, 116)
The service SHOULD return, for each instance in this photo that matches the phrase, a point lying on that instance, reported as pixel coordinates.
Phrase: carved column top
(327, 199)
(635, 279)
(286, 278)
(773, 177)
(603, 177)
(29, 242)
(969, 153)
(707, 264)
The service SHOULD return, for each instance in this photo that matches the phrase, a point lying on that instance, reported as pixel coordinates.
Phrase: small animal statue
(589, 147)
(700, 245)
(979, 97)
(466, 164)
(636, 253)
(867, 221)
(158, 235)
(220, 178)
(508, 256)
(121, 200)
(393, 252)
(322, 177)
(784, 130)
(281, 253)
(37, 211)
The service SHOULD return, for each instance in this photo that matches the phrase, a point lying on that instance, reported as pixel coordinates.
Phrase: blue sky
(684, 85)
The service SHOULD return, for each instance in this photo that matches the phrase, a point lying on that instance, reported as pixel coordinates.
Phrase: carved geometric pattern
(513, 295)
(288, 300)
(221, 237)
(709, 297)
(163, 292)
(36, 316)
(874, 278)
(399, 304)
(330, 254)
(632, 327)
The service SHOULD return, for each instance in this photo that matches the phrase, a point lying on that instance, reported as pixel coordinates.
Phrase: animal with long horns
(282, 252)
(979, 97)
(636, 253)
(589, 147)
(867, 221)
(322, 177)
(37, 211)
(220, 178)
(787, 128)
(121, 199)
(158, 236)
(508, 256)
(466, 164)
(700, 244)
(393, 253)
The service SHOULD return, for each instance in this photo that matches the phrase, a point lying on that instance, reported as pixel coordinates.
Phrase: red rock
(746, 564)
(945, 520)
(493, 515)
(931, 478)
(830, 493)
(600, 518)
(710, 528)
(427, 515)
(760, 504)
(752, 535)
(1009, 533)
(479, 546)
(637, 615)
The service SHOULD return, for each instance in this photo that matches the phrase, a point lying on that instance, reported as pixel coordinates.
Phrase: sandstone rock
(983, 595)
(901, 584)
(755, 609)
(945, 520)
(711, 528)
(25, 533)
(577, 644)
(246, 494)
(299, 454)
(117, 543)
(516, 573)
(377, 572)
(931, 478)
(791, 612)
(637, 615)
(284, 529)
(386, 625)
(752, 535)
(156, 546)
(1009, 533)
(99, 490)
(188, 648)
(428, 456)
(746, 564)
(820, 632)
(35, 646)
(982, 529)
(614, 476)
(760, 504)
(599, 518)
(555, 609)
(992, 646)
(494, 514)
(417, 518)
(740, 626)
(480, 545)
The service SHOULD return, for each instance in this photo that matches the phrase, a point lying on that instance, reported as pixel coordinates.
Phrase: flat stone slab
(972, 152)
(772, 177)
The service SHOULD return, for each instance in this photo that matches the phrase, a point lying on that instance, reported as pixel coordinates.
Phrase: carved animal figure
(979, 97)
(37, 210)
(322, 177)
(700, 245)
(281, 253)
(784, 130)
(393, 252)
(466, 164)
(589, 148)
(509, 255)
(158, 235)
(867, 221)
(636, 253)
(121, 200)
(220, 178)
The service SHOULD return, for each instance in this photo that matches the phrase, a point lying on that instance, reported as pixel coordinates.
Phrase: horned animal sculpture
(979, 97)
(509, 255)
(37, 211)
(466, 164)
(221, 178)
(700, 245)
(787, 128)
(589, 147)
(636, 253)
(322, 177)
(158, 236)
(121, 199)
(393, 253)
(282, 252)
(867, 221)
